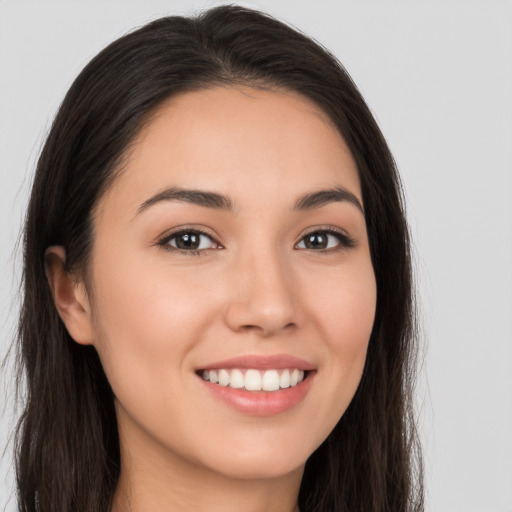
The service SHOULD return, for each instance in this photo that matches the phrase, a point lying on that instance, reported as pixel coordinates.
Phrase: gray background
(438, 76)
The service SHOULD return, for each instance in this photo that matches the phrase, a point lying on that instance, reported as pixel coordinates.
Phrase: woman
(218, 309)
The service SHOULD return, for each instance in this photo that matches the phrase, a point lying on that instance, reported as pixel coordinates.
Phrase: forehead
(240, 141)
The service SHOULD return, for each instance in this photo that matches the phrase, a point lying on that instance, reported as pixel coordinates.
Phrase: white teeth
(284, 380)
(237, 379)
(270, 381)
(223, 378)
(255, 380)
(252, 380)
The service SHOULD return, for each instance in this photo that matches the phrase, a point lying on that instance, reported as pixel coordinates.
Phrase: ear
(69, 295)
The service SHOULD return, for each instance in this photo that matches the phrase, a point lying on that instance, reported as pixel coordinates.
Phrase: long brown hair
(67, 446)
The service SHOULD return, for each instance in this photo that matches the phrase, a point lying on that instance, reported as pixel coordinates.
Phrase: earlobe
(69, 295)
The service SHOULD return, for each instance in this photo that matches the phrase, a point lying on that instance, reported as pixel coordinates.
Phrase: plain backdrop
(438, 77)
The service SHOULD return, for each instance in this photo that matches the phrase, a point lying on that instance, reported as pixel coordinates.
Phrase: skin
(156, 315)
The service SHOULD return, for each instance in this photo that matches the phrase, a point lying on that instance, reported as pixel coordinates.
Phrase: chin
(258, 461)
(254, 468)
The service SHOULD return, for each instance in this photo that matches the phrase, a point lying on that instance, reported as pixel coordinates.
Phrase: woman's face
(232, 241)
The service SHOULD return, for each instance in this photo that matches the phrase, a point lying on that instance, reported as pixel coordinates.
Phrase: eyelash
(345, 242)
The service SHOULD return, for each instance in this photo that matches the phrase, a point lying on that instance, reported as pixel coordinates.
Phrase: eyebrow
(218, 201)
(199, 197)
(323, 197)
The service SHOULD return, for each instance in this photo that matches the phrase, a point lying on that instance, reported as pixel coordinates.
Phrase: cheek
(344, 312)
(344, 307)
(147, 322)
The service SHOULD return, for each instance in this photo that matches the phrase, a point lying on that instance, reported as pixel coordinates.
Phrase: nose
(262, 296)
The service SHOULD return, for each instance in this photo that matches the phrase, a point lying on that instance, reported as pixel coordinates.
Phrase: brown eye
(325, 240)
(191, 241)
(317, 240)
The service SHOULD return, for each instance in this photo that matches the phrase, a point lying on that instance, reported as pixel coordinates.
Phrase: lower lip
(261, 403)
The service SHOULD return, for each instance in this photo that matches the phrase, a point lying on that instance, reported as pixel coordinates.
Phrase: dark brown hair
(67, 449)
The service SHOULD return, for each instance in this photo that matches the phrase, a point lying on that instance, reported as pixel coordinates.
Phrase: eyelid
(184, 228)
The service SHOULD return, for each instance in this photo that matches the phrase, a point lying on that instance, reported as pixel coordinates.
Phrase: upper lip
(262, 362)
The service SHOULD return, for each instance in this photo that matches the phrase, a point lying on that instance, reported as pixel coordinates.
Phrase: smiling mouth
(250, 379)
